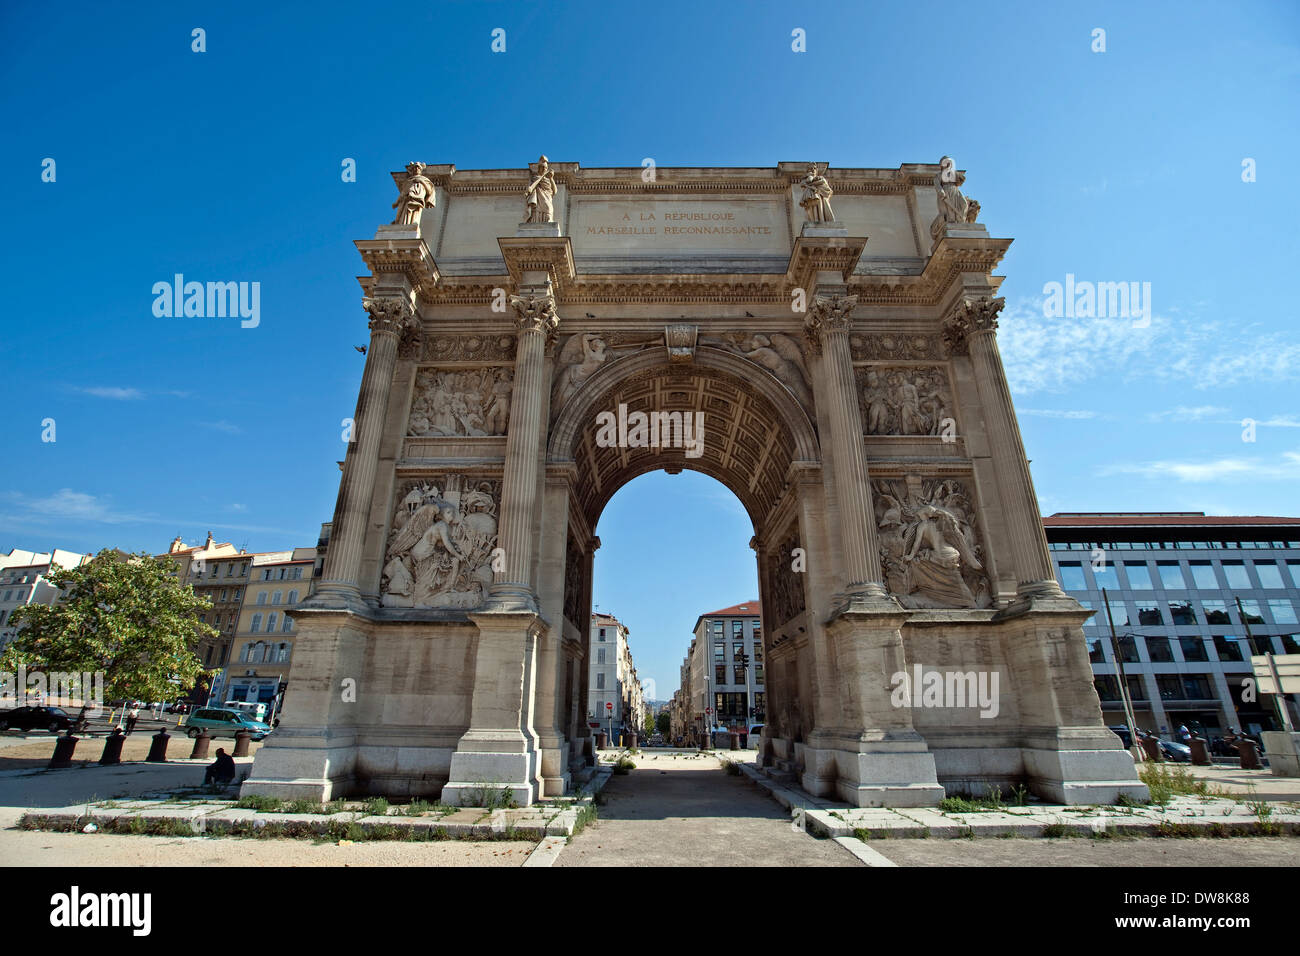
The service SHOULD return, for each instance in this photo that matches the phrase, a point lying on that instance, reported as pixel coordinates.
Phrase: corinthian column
(389, 316)
(827, 330)
(537, 321)
(972, 328)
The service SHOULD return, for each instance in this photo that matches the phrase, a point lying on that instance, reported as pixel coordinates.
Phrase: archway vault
(753, 428)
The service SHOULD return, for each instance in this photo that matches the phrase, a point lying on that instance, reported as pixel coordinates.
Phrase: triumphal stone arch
(821, 341)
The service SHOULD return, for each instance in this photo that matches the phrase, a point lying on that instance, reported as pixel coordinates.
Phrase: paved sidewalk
(679, 810)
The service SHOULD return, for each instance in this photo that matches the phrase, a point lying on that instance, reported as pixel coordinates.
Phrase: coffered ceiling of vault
(745, 445)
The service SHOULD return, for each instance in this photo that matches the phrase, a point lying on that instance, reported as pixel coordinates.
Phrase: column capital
(828, 314)
(388, 314)
(969, 317)
(535, 312)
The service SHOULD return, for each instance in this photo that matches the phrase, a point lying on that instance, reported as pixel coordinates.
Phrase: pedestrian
(131, 718)
(220, 771)
(1184, 734)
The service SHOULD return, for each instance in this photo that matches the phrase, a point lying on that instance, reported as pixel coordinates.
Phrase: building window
(737, 651)
(1095, 654)
(1216, 612)
(288, 624)
(737, 628)
(1290, 645)
(1158, 650)
(719, 651)
(1072, 577)
(758, 650)
(1250, 612)
(1171, 576)
(602, 634)
(1270, 575)
(1128, 648)
(293, 597)
(1193, 649)
(238, 595)
(270, 622)
(738, 674)
(266, 574)
(600, 655)
(1203, 576)
(1139, 575)
(719, 673)
(1149, 614)
(256, 625)
(1170, 686)
(285, 651)
(1181, 613)
(261, 598)
(1227, 648)
(1105, 576)
(1283, 612)
(277, 597)
(1235, 572)
(600, 681)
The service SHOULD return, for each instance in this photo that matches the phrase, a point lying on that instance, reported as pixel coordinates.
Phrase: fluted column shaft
(829, 328)
(388, 316)
(537, 320)
(1028, 544)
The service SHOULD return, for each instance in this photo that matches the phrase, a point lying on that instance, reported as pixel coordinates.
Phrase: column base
(304, 766)
(895, 771)
(483, 779)
(1283, 751)
(510, 598)
(1081, 766)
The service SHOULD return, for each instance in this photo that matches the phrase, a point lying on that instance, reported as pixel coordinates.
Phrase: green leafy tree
(664, 723)
(125, 615)
(649, 727)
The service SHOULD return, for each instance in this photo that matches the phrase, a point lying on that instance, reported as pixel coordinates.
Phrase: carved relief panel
(440, 547)
(903, 399)
(785, 592)
(929, 543)
(460, 402)
(574, 574)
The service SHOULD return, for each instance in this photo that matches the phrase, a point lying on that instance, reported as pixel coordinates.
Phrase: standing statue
(417, 195)
(953, 206)
(817, 194)
(540, 194)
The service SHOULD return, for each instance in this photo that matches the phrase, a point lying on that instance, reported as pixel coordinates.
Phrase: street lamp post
(1134, 748)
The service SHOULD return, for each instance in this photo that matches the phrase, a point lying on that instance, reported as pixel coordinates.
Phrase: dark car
(1124, 736)
(1174, 751)
(52, 719)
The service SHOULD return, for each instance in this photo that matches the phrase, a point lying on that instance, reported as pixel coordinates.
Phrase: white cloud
(1185, 414)
(1057, 412)
(223, 426)
(1209, 471)
(111, 391)
(1044, 354)
(68, 505)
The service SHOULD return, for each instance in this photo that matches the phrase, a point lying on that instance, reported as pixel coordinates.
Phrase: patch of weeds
(376, 807)
(624, 765)
(1130, 801)
(1055, 831)
(586, 814)
(1264, 824)
(1171, 828)
(732, 768)
(417, 808)
(259, 803)
(924, 833)
(1166, 781)
(862, 833)
(967, 834)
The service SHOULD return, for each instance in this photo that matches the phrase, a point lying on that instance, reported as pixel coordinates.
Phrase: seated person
(221, 770)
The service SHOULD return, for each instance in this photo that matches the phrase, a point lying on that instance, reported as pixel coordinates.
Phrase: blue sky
(1117, 166)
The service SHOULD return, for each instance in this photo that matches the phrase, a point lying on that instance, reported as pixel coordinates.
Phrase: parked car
(656, 740)
(52, 719)
(1122, 732)
(224, 723)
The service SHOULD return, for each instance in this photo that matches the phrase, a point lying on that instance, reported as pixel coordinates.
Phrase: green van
(224, 723)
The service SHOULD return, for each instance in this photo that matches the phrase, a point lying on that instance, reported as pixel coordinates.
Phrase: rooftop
(1159, 519)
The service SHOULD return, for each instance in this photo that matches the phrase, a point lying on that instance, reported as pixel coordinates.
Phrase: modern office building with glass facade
(1173, 580)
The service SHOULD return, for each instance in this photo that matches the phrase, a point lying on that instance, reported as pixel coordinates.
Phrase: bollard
(63, 750)
(1151, 747)
(242, 737)
(113, 747)
(735, 741)
(158, 749)
(600, 740)
(589, 751)
(1200, 754)
(200, 751)
(1249, 753)
(631, 741)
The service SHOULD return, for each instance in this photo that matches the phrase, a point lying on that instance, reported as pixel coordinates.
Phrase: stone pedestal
(499, 752)
(824, 230)
(538, 230)
(1283, 750)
